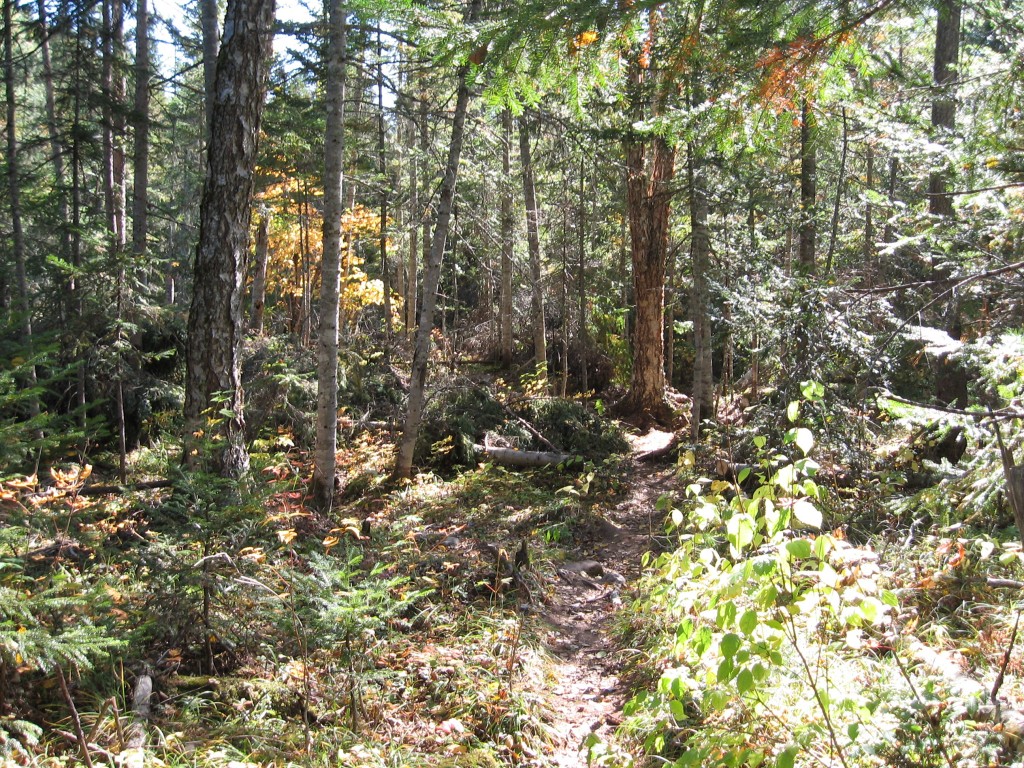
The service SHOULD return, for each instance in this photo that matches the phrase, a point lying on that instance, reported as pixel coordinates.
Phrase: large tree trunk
(325, 458)
(947, 51)
(215, 320)
(540, 350)
(432, 271)
(507, 222)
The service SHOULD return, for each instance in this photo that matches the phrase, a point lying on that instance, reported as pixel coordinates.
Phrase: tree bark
(650, 169)
(806, 258)
(325, 458)
(259, 277)
(23, 303)
(211, 44)
(540, 350)
(432, 271)
(947, 52)
(700, 256)
(56, 147)
(581, 279)
(385, 183)
(507, 223)
(840, 189)
(215, 320)
(415, 215)
(140, 178)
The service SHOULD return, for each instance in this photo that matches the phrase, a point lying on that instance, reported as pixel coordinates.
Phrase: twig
(998, 683)
(75, 719)
(1002, 413)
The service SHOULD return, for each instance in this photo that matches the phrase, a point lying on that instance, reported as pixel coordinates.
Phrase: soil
(587, 694)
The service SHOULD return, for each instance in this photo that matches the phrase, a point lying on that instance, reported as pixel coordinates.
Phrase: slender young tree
(14, 194)
(540, 349)
(432, 269)
(325, 457)
(507, 225)
(215, 326)
(140, 177)
(944, 73)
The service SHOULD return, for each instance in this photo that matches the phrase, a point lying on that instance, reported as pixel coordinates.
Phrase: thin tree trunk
(700, 256)
(432, 272)
(581, 279)
(215, 320)
(140, 181)
(840, 188)
(540, 352)
(807, 256)
(382, 173)
(947, 52)
(23, 303)
(869, 223)
(889, 232)
(414, 226)
(507, 223)
(325, 459)
(56, 147)
(259, 277)
(211, 44)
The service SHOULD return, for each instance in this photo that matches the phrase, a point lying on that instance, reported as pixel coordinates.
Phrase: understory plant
(774, 639)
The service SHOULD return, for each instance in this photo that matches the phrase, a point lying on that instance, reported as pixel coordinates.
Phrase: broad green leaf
(787, 757)
(744, 680)
(804, 439)
(798, 548)
(748, 622)
(793, 411)
(807, 513)
(725, 670)
(730, 644)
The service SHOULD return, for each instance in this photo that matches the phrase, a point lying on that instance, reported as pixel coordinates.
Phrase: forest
(538, 383)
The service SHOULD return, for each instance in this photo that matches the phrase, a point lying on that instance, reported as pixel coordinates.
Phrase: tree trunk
(869, 223)
(840, 188)
(211, 44)
(414, 225)
(507, 222)
(650, 168)
(325, 458)
(700, 256)
(23, 303)
(806, 257)
(56, 147)
(947, 52)
(259, 276)
(540, 350)
(581, 280)
(385, 183)
(215, 319)
(140, 179)
(432, 271)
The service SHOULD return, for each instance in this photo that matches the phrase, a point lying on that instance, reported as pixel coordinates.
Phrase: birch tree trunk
(432, 271)
(215, 319)
(325, 457)
(540, 350)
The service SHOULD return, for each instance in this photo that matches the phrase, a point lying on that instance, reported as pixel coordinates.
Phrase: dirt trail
(587, 694)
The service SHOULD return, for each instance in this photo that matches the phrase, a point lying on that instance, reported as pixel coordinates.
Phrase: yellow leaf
(287, 536)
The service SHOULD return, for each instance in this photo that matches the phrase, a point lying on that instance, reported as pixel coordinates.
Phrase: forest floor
(589, 693)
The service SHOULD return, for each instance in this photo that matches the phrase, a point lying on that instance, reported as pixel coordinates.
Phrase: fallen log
(513, 458)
